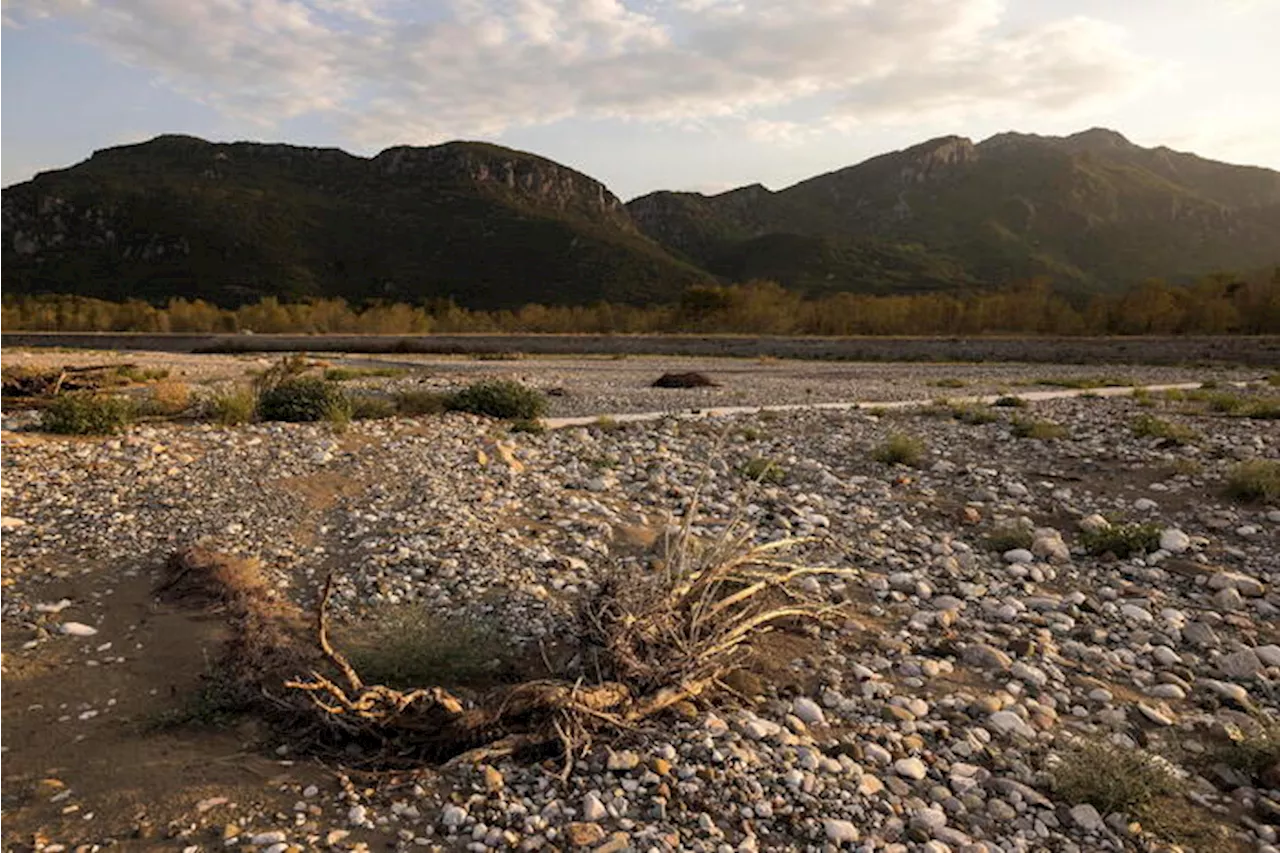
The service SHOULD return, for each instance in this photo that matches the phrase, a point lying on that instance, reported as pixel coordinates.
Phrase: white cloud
(388, 74)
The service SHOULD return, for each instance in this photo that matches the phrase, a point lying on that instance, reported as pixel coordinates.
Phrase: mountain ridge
(494, 227)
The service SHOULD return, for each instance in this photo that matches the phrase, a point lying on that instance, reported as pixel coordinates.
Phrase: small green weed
(1008, 401)
(85, 413)
(1150, 426)
(1255, 480)
(900, 449)
(1008, 537)
(233, 406)
(1041, 430)
(1122, 540)
(415, 403)
(366, 407)
(529, 425)
(499, 398)
(763, 470)
(303, 399)
(408, 646)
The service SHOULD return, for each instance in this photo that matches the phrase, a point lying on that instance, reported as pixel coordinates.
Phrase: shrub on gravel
(1042, 430)
(1122, 540)
(1149, 426)
(1112, 778)
(949, 382)
(900, 449)
(1256, 480)
(1009, 401)
(88, 414)
(1253, 750)
(499, 398)
(345, 374)
(420, 402)
(366, 407)
(303, 399)
(168, 398)
(763, 470)
(1008, 537)
(532, 426)
(233, 407)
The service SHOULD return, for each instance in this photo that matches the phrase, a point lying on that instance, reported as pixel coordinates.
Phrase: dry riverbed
(988, 644)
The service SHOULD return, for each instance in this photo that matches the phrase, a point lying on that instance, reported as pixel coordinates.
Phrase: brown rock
(584, 834)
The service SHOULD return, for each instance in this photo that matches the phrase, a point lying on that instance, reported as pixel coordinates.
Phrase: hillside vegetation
(495, 229)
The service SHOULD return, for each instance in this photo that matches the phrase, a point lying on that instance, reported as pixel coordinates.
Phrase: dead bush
(692, 379)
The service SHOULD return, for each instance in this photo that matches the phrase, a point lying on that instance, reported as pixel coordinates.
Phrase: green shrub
(499, 398)
(975, 414)
(763, 470)
(1252, 750)
(345, 374)
(1010, 402)
(949, 382)
(900, 449)
(1112, 778)
(1007, 537)
(1123, 540)
(233, 407)
(142, 374)
(88, 414)
(1149, 426)
(303, 399)
(1262, 409)
(421, 402)
(1084, 382)
(1042, 430)
(529, 425)
(366, 407)
(1255, 480)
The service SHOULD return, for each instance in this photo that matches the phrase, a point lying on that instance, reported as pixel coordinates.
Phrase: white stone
(77, 629)
(1174, 540)
(1086, 817)
(808, 711)
(840, 831)
(1145, 504)
(592, 809)
(10, 523)
(1269, 655)
(453, 816)
(1019, 556)
(1094, 524)
(912, 768)
(1007, 722)
(1155, 715)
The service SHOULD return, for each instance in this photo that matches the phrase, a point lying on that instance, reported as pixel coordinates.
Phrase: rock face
(486, 225)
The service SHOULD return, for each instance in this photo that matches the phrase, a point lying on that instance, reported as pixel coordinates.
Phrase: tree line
(1218, 304)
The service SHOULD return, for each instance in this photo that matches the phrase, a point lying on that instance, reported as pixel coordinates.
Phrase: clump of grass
(975, 414)
(1007, 537)
(1112, 778)
(415, 403)
(215, 704)
(497, 356)
(1255, 480)
(1150, 426)
(604, 423)
(1083, 382)
(142, 374)
(1252, 749)
(408, 646)
(168, 398)
(1209, 384)
(233, 407)
(900, 449)
(949, 382)
(1174, 395)
(1008, 401)
(88, 414)
(499, 398)
(1143, 398)
(1262, 409)
(1041, 430)
(763, 470)
(366, 407)
(1186, 467)
(1226, 403)
(529, 425)
(1122, 540)
(304, 399)
(346, 374)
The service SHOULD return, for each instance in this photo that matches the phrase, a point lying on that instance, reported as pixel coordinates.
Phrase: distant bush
(142, 374)
(900, 449)
(1084, 382)
(1255, 480)
(1008, 537)
(233, 407)
(975, 414)
(366, 407)
(345, 374)
(302, 399)
(415, 403)
(529, 425)
(763, 470)
(1008, 401)
(168, 398)
(1123, 540)
(1112, 778)
(499, 398)
(949, 382)
(1149, 426)
(88, 414)
(1042, 430)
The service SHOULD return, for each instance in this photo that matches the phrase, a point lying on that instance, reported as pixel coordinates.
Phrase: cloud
(393, 71)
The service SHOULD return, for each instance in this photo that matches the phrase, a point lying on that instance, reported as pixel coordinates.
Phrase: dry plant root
(668, 638)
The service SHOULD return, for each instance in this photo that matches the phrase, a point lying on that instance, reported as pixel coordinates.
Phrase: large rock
(1174, 540)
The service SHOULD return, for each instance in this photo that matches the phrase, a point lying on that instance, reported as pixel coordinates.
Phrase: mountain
(179, 216)
(497, 228)
(1092, 211)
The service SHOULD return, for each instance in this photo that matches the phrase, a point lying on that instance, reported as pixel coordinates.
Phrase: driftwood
(19, 382)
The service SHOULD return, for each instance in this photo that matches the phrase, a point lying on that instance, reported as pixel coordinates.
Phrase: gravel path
(930, 719)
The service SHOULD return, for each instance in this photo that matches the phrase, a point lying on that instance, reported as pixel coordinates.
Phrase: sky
(642, 94)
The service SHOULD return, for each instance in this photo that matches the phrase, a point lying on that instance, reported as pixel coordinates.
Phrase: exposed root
(667, 637)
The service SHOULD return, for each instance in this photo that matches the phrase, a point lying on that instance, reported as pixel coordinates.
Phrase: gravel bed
(929, 720)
